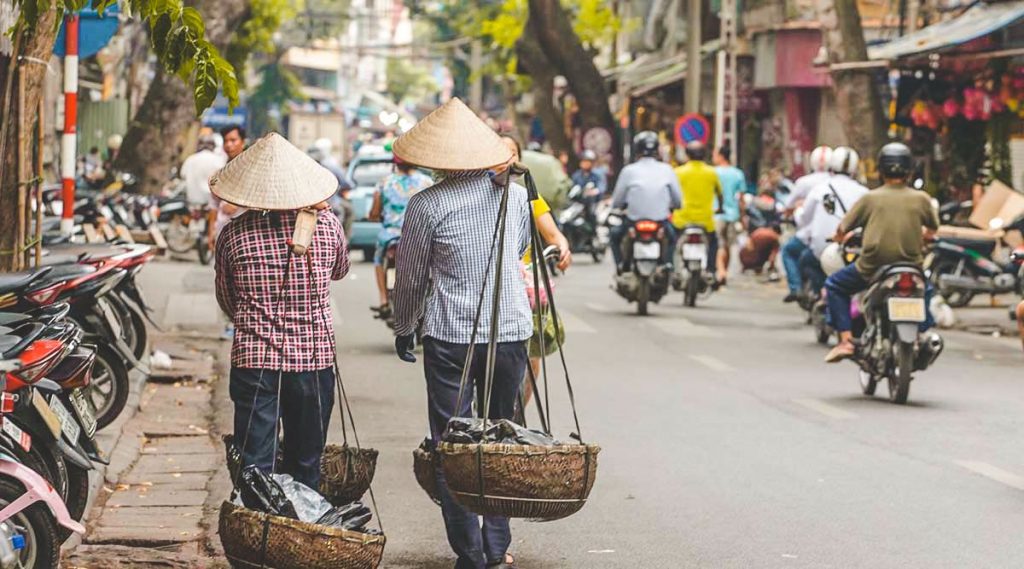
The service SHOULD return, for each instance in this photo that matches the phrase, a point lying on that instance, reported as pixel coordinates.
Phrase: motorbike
(962, 268)
(891, 347)
(390, 254)
(187, 229)
(646, 280)
(691, 274)
(581, 224)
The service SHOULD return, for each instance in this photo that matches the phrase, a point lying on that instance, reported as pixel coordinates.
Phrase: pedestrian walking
(282, 356)
(442, 276)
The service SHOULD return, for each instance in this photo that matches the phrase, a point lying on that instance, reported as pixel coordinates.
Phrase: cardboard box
(999, 201)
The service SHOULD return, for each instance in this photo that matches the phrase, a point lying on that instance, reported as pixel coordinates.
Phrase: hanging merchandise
(283, 524)
(500, 468)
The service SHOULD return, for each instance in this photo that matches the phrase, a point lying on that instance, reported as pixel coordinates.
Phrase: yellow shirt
(699, 181)
(540, 207)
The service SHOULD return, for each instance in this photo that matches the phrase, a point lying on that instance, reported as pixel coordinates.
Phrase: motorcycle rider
(389, 202)
(647, 189)
(820, 223)
(896, 221)
(700, 186)
(791, 251)
(587, 175)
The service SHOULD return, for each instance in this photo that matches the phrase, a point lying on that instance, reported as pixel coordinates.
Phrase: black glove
(404, 346)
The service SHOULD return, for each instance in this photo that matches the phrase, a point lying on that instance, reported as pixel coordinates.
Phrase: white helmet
(324, 145)
(844, 160)
(820, 158)
(832, 258)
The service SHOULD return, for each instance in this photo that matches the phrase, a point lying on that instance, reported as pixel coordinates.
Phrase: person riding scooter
(896, 221)
(824, 207)
(646, 189)
(587, 175)
(701, 187)
(797, 244)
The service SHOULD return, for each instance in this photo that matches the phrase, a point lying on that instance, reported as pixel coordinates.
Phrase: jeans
(305, 430)
(810, 269)
(845, 283)
(476, 544)
(618, 233)
(791, 252)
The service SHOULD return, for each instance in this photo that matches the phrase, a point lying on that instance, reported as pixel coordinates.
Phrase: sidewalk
(151, 508)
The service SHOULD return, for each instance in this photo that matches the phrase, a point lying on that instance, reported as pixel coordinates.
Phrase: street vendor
(446, 241)
(282, 357)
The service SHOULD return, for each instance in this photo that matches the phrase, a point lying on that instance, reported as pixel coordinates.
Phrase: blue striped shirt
(442, 256)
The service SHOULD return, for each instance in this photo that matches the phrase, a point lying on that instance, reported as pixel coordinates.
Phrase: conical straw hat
(273, 175)
(452, 138)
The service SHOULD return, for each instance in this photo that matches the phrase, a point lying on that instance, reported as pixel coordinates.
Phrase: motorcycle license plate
(68, 425)
(646, 251)
(693, 252)
(23, 439)
(108, 314)
(84, 412)
(906, 309)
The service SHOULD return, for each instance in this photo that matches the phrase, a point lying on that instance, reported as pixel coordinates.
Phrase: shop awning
(978, 21)
(655, 71)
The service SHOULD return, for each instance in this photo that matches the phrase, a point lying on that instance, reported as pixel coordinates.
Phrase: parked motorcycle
(581, 224)
(646, 280)
(963, 268)
(891, 346)
(691, 274)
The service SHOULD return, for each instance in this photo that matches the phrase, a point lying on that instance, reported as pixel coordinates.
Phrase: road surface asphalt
(727, 442)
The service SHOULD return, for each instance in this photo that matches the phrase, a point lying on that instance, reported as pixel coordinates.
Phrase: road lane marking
(993, 473)
(825, 409)
(574, 324)
(602, 308)
(713, 363)
(683, 328)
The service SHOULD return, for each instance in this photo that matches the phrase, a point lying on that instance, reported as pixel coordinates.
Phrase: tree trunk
(35, 45)
(156, 137)
(542, 75)
(857, 100)
(552, 29)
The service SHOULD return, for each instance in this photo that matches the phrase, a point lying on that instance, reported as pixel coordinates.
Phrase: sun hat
(452, 138)
(273, 174)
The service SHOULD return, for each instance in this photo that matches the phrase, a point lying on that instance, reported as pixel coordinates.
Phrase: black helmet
(696, 150)
(646, 144)
(895, 161)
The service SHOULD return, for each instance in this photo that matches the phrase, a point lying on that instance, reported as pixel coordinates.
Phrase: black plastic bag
(352, 516)
(463, 430)
(261, 493)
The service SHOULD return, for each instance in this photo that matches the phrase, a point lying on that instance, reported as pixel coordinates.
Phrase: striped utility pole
(69, 139)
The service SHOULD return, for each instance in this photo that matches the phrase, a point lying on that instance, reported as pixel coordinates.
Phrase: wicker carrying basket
(291, 544)
(520, 481)
(424, 466)
(345, 472)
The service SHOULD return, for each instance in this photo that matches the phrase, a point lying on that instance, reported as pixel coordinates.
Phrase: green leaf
(159, 33)
(205, 90)
(193, 21)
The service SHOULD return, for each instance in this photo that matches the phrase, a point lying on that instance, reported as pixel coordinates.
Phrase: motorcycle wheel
(107, 393)
(204, 250)
(78, 496)
(899, 380)
(179, 236)
(35, 523)
(136, 335)
(821, 332)
(46, 463)
(692, 288)
(956, 299)
(868, 383)
(643, 295)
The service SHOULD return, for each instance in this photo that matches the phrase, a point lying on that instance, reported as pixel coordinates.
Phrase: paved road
(728, 443)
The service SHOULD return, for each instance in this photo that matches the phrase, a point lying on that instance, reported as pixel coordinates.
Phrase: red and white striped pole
(69, 140)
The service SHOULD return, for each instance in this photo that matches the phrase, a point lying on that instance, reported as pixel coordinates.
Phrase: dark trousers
(475, 544)
(304, 410)
(810, 269)
(791, 253)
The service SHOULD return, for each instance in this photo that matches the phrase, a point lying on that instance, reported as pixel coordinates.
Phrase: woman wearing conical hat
(282, 357)
(446, 241)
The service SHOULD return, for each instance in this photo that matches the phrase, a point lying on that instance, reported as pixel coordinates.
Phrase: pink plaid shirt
(289, 328)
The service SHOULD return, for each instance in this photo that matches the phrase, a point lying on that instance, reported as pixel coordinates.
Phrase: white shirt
(820, 223)
(801, 189)
(196, 171)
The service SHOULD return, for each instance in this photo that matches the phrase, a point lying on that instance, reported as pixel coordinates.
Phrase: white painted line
(825, 409)
(602, 308)
(713, 363)
(683, 328)
(993, 472)
(574, 324)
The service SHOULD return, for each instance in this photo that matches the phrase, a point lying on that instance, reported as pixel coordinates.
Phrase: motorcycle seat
(61, 259)
(12, 282)
(982, 246)
(69, 271)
